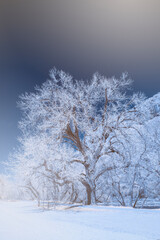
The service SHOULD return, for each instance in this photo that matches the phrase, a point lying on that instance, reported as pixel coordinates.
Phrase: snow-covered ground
(24, 221)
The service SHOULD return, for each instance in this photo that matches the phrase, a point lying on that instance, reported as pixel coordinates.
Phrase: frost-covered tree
(42, 170)
(88, 116)
(136, 178)
(151, 158)
(125, 184)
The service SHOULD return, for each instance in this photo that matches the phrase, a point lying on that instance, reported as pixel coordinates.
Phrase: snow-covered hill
(151, 106)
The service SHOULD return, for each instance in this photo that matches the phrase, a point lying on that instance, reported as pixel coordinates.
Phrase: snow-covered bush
(8, 189)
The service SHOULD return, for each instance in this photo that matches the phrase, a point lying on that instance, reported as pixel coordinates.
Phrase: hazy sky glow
(78, 36)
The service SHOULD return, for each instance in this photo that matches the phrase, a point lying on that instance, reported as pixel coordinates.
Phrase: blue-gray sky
(78, 36)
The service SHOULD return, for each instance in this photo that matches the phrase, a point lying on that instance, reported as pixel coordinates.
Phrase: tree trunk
(91, 198)
(90, 193)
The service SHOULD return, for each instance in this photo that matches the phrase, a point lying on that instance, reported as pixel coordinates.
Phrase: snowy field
(24, 221)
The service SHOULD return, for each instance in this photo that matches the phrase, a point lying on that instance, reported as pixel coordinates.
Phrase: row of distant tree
(87, 142)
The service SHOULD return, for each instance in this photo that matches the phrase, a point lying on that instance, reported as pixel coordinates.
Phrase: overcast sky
(78, 36)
